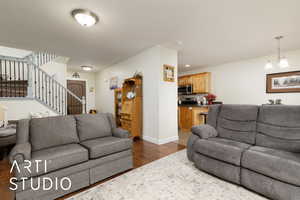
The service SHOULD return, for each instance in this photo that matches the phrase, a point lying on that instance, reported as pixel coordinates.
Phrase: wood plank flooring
(143, 153)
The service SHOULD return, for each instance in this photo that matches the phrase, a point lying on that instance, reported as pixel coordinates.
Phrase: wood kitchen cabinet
(200, 82)
(185, 116)
(185, 80)
(190, 116)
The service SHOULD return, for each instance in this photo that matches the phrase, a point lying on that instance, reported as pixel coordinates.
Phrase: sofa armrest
(20, 152)
(204, 131)
(120, 133)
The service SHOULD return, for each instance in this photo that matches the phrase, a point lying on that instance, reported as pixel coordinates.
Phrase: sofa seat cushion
(107, 145)
(280, 165)
(221, 149)
(93, 126)
(57, 158)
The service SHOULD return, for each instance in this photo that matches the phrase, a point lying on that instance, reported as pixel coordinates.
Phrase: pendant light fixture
(282, 61)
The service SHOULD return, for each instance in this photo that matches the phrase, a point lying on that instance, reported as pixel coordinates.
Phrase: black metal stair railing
(52, 93)
(20, 78)
(13, 78)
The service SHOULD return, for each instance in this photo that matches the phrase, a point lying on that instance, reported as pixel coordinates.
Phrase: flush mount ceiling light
(187, 65)
(85, 17)
(282, 61)
(86, 68)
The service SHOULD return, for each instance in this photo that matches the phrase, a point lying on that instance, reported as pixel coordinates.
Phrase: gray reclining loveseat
(83, 148)
(257, 147)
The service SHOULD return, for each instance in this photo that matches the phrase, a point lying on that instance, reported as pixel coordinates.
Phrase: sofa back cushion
(93, 126)
(238, 122)
(213, 114)
(278, 127)
(52, 131)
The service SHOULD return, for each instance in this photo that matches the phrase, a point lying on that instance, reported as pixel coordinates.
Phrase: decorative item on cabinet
(113, 83)
(93, 111)
(131, 110)
(210, 98)
(118, 106)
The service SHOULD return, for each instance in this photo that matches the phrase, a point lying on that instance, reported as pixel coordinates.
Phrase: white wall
(168, 122)
(57, 70)
(149, 63)
(21, 109)
(90, 86)
(244, 82)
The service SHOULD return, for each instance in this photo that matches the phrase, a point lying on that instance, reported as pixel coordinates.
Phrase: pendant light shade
(282, 61)
(269, 65)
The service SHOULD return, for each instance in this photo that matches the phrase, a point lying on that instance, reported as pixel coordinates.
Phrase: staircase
(22, 78)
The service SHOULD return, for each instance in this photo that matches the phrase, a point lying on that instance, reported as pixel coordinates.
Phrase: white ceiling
(12, 52)
(211, 31)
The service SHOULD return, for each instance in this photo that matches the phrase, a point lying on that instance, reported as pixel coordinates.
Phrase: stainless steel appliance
(188, 100)
(186, 89)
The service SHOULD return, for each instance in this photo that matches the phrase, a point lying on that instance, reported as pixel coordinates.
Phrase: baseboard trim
(160, 141)
(167, 140)
(150, 139)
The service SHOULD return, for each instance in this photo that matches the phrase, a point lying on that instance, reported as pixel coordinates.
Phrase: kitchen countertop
(192, 105)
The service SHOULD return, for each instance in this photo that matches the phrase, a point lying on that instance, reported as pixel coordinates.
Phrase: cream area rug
(171, 178)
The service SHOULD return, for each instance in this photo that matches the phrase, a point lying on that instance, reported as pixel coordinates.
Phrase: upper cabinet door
(179, 81)
(198, 83)
(201, 83)
(186, 80)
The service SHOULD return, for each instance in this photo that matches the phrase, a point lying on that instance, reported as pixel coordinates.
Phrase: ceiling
(206, 32)
(12, 52)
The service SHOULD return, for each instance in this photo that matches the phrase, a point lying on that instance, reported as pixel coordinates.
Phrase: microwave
(186, 89)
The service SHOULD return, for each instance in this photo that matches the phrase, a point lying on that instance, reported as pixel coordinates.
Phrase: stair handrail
(10, 58)
(58, 83)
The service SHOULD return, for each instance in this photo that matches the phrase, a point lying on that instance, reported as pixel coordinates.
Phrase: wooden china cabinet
(130, 110)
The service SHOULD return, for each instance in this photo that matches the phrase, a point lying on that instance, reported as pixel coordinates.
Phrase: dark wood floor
(143, 153)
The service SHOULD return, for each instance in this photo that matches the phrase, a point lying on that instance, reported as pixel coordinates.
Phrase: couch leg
(2, 153)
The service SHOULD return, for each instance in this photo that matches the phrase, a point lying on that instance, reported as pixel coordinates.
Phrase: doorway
(78, 87)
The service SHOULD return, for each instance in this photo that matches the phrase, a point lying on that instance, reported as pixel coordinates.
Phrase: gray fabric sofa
(84, 148)
(257, 147)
